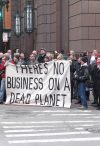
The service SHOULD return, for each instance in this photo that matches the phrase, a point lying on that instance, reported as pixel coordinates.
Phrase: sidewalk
(90, 106)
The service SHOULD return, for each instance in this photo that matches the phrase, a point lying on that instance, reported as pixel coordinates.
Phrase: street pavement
(48, 126)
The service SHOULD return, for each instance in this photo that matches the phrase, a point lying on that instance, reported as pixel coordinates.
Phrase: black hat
(84, 59)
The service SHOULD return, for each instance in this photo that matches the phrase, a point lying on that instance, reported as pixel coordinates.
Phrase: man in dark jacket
(96, 79)
(72, 70)
(82, 76)
(41, 56)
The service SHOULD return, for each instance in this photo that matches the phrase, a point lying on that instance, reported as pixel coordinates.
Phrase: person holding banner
(16, 58)
(21, 59)
(1, 56)
(5, 61)
(60, 57)
(34, 52)
(48, 57)
(10, 54)
(32, 60)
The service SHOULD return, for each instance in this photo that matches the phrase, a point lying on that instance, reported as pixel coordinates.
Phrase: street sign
(5, 37)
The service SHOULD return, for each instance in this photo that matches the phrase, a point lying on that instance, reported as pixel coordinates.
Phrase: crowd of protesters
(84, 68)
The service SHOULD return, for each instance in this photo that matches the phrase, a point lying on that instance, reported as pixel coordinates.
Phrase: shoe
(94, 102)
(98, 108)
(83, 108)
(95, 105)
(78, 102)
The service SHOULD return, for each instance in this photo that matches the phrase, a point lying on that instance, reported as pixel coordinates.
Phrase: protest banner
(46, 84)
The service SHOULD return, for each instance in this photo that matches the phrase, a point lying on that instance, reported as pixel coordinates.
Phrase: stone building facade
(25, 42)
(6, 27)
(62, 24)
(68, 24)
(52, 25)
(84, 25)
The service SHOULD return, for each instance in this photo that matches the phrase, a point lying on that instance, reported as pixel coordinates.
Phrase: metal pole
(1, 31)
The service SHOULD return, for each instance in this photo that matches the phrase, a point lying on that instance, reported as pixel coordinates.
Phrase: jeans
(2, 89)
(82, 94)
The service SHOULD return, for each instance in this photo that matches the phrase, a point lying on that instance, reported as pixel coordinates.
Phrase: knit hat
(84, 59)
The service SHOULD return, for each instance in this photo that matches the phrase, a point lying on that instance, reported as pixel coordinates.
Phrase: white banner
(46, 84)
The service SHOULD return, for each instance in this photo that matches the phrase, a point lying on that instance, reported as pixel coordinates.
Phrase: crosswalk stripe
(37, 122)
(62, 111)
(89, 139)
(45, 126)
(96, 117)
(42, 126)
(83, 125)
(27, 130)
(50, 122)
(47, 134)
(73, 114)
(49, 111)
(79, 128)
(53, 129)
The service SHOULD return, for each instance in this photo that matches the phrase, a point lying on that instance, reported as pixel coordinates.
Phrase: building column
(58, 24)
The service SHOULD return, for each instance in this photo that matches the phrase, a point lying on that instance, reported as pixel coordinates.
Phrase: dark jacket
(41, 58)
(83, 74)
(96, 80)
(73, 68)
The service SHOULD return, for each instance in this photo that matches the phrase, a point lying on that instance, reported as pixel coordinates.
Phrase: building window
(17, 25)
(28, 17)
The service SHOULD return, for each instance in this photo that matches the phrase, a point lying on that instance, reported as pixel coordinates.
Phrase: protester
(82, 68)
(1, 56)
(96, 82)
(32, 60)
(5, 61)
(64, 55)
(41, 55)
(10, 54)
(72, 70)
(21, 59)
(93, 57)
(34, 53)
(77, 68)
(48, 57)
(82, 76)
(55, 54)
(72, 52)
(16, 58)
(60, 57)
